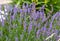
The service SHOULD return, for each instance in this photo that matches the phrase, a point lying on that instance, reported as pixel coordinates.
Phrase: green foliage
(55, 3)
(47, 3)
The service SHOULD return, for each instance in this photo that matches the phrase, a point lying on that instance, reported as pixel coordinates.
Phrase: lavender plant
(27, 24)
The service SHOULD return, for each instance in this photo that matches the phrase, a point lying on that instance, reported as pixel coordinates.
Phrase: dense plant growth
(25, 23)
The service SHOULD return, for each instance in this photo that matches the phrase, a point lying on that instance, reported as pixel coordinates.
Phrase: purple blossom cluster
(30, 19)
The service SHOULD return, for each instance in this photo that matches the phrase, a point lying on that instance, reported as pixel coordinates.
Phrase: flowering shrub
(28, 24)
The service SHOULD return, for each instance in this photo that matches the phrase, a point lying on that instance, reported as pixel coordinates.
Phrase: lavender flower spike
(38, 33)
(2, 22)
(15, 9)
(42, 16)
(30, 27)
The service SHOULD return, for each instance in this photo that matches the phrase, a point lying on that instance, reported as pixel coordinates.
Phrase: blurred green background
(54, 3)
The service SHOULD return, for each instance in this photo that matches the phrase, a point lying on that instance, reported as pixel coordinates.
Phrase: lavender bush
(28, 24)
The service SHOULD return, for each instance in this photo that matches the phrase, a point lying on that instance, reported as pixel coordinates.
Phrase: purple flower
(2, 22)
(43, 7)
(33, 9)
(23, 6)
(21, 10)
(33, 6)
(52, 19)
(12, 17)
(24, 25)
(25, 10)
(56, 31)
(15, 9)
(38, 33)
(42, 16)
(30, 27)
(2, 18)
(48, 33)
(54, 16)
(43, 29)
(38, 25)
(29, 10)
(35, 23)
(35, 15)
(21, 15)
(38, 16)
(50, 26)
